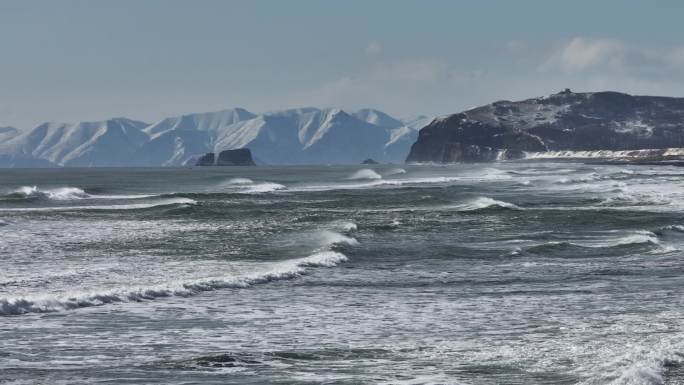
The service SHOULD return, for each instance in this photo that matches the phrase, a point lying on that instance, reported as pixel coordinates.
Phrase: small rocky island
(238, 157)
(567, 125)
(370, 161)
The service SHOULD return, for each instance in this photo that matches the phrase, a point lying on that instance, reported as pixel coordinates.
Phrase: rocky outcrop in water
(207, 159)
(566, 121)
(238, 157)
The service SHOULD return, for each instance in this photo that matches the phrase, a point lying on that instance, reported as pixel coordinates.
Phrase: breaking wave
(323, 256)
(638, 238)
(133, 206)
(239, 181)
(264, 187)
(483, 203)
(248, 186)
(395, 171)
(64, 193)
(365, 173)
(280, 271)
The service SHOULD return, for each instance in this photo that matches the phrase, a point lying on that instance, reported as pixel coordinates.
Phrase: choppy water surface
(530, 273)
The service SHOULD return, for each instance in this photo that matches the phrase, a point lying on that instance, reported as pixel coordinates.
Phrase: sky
(69, 60)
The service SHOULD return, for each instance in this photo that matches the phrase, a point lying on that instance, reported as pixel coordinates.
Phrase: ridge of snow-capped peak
(378, 118)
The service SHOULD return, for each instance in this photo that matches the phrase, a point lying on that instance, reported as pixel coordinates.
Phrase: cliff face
(565, 121)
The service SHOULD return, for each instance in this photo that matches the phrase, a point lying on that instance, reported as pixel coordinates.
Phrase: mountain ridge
(305, 135)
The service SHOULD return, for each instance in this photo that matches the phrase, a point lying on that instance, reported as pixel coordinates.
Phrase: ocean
(500, 273)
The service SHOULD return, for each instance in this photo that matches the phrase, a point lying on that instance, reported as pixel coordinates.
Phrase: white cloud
(582, 53)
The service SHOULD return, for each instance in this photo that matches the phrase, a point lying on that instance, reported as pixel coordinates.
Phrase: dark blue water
(516, 273)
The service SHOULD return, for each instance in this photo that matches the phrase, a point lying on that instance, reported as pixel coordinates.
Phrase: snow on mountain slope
(378, 118)
(294, 136)
(105, 143)
(206, 121)
(175, 140)
(305, 136)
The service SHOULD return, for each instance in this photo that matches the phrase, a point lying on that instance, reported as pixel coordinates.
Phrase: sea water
(515, 273)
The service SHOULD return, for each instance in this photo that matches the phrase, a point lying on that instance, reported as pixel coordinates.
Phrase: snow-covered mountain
(112, 142)
(295, 136)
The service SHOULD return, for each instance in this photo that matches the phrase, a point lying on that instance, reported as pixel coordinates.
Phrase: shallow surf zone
(324, 254)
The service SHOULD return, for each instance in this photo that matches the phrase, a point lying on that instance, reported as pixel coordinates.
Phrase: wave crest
(280, 271)
(65, 194)
(483, 203)
(134, 206)
(365, 173)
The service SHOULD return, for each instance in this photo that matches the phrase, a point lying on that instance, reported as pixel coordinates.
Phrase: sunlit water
(527, 273)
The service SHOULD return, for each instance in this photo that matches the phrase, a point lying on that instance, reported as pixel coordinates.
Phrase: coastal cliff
(560, 125)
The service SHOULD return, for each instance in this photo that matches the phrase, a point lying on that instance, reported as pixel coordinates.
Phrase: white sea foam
(323, 256)
(239, 181)
(61, 193)
(485, 202)
(365, 173)
(134, 206)
(265, 187)
(278, 271)
(68, 193)
(328, 237)
(395, 171)
(345, 226)
(375, 183)
(248, 186)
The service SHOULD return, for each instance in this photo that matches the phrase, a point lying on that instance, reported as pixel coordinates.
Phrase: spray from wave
(134, 206)
(248, 186)
(323, 256)
(395, 171)
(483, 203)
(65, 193)
(365, 174)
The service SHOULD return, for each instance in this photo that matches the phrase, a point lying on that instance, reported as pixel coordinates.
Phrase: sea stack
(237, 157)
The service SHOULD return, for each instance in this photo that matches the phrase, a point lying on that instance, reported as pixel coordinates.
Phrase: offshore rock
(238, 157)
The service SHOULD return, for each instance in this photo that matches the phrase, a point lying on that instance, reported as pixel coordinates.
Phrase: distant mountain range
(599, 125)
(295, 136)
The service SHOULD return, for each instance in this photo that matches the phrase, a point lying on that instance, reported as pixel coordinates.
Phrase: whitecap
(365, 173)
(136, 206)
(395, 171)
(278, 271)
(239, 181)
(68, 193)
(485, 202)
(345, 226)
(264, 187)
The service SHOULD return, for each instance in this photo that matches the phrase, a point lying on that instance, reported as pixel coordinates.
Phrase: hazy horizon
(80, 60)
